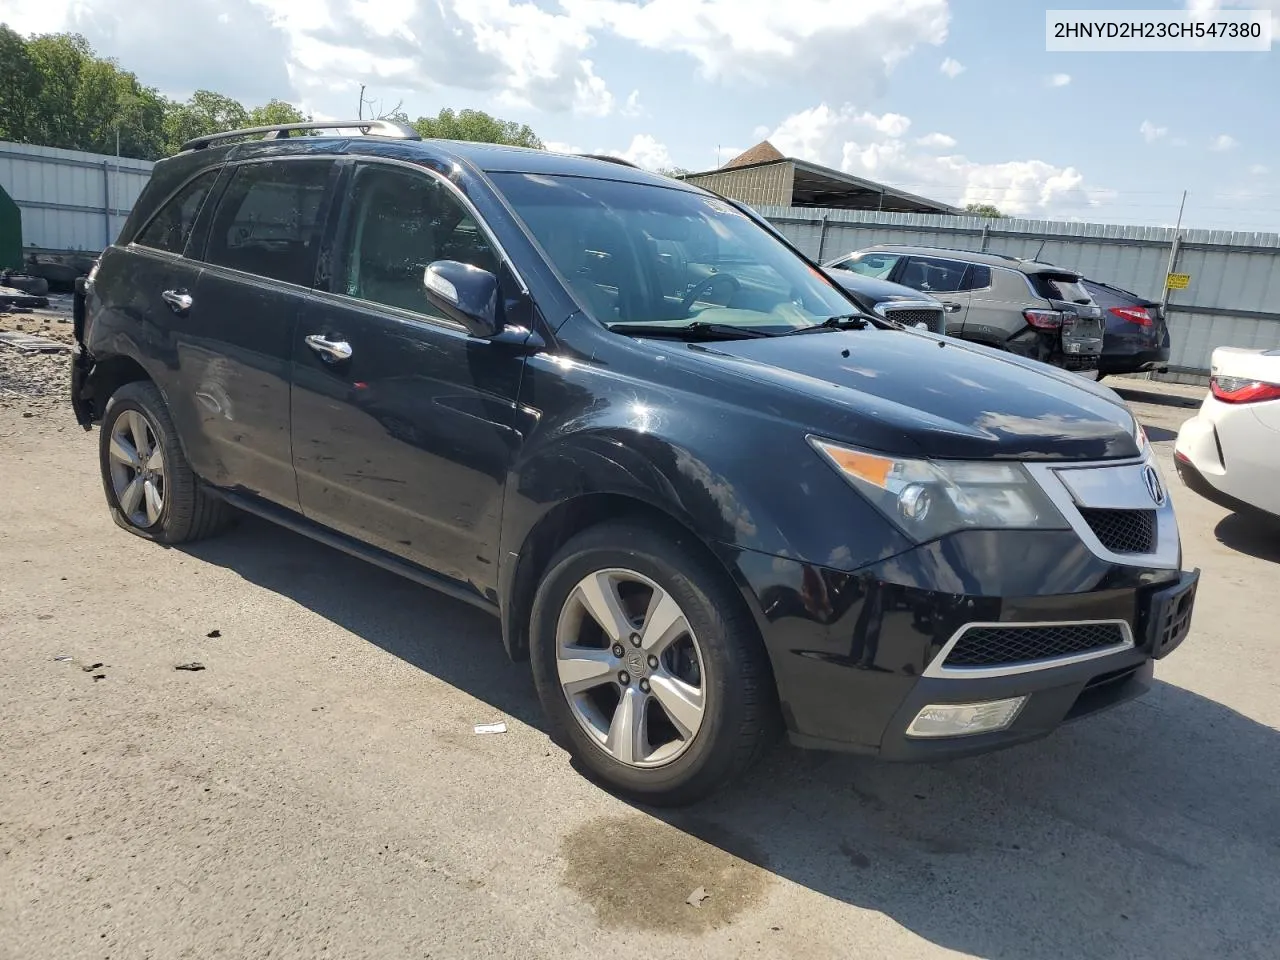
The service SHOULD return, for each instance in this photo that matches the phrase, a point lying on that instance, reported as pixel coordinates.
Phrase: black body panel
(452, 458)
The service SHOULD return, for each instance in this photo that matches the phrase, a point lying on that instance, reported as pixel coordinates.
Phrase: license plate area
(1169, 616)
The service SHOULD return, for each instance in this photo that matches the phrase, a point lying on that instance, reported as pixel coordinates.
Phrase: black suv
(699, 488)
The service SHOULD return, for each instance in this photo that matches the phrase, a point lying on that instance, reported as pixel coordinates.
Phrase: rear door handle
(179, 301)
(331, 351)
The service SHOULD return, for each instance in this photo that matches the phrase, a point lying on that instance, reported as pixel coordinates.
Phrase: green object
(10, 233)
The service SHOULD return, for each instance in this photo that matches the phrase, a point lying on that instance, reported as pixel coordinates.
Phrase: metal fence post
(822, 237)
(106, 204)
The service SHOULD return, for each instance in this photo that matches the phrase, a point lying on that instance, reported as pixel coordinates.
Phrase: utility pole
(1173, 253)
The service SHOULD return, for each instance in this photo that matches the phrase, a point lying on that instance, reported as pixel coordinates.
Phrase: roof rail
(609, 159)
(280, 131)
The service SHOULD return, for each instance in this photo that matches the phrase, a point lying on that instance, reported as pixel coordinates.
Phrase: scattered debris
(62, 659)
(498, 727)
(27, 414)
(696, 898)
(194, 665)
(99, 676)
(29, 343)
(92, 667)
(214, 634)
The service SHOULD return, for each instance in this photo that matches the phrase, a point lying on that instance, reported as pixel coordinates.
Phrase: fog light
(965, 719)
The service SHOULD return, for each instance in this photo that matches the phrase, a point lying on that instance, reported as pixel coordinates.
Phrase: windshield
(641, 254)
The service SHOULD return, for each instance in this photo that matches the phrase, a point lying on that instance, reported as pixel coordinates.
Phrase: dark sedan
(1137, 337)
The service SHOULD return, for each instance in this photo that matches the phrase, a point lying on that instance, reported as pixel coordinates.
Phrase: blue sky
(854, 84)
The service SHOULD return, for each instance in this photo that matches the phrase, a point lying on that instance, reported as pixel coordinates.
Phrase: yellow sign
(1179, 281)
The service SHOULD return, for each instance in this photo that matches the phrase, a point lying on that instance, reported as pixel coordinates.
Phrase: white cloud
(1151, 133)
(823, 43)
(952, 67)
(1059, 79)
(842, 137)
(1258, 170)
(1223, 142)
(557, 146)
(645, 151)
(633, 107)
(939, 141)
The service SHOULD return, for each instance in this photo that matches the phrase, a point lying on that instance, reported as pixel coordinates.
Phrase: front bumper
(855, 654)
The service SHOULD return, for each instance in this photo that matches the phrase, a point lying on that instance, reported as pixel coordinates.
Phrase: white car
(1230, 451)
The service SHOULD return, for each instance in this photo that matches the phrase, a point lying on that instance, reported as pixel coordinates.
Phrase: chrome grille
(1123, 531)
(992, 646)
(932, 319)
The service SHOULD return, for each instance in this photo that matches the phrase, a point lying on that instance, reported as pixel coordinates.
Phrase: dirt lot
(318, 789)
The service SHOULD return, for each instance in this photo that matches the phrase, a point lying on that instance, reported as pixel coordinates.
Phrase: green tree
(274, 112)
(477, 126)
(205, 113)
(983, 210)
(674, 173)
(56, 92)
(19, 88)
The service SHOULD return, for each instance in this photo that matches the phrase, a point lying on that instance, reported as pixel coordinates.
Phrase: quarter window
(268, 222)
(400, 222)
(171, 227)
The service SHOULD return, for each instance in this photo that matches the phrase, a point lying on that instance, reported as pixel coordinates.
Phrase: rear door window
(170, 229)
(933, 274)
(269, 220)
(978, 277)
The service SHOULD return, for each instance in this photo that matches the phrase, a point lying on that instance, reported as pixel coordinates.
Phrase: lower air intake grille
(932, 319)
(1001, 646)
(1123, 531)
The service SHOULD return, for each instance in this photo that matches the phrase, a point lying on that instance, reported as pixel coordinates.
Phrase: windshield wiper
(845, 321)
(697, 328)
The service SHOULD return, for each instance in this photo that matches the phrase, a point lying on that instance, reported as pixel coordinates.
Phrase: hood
(876, 290)
(911, 393)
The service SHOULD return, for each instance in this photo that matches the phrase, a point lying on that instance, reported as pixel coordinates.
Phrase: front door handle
(950, 306)
(331, 351)
(179, 301)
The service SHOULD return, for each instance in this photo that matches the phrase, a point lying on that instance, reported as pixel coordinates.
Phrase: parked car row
(1025, 307)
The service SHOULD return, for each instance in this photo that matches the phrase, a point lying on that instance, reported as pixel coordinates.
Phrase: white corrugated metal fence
(70, 200)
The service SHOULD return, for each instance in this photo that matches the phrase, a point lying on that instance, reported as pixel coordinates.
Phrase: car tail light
(1139, 315)
(1241, 390)
(1044, 319)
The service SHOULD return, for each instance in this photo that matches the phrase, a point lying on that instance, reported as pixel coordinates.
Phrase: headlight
(927, 499)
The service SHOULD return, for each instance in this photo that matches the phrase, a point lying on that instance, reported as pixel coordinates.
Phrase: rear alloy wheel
(150, 487)
(136, 458)
(648, 664)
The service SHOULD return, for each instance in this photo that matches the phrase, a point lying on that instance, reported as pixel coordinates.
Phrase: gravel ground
(318, 789)
(36, 383)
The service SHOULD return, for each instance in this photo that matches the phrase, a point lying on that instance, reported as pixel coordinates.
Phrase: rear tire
(150, 488)
(692, 667)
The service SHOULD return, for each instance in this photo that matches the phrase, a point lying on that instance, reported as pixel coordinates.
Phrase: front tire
(150, 488)
(649, 667)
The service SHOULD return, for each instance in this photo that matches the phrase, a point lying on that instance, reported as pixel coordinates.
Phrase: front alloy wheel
(630, 667)
(649, 665)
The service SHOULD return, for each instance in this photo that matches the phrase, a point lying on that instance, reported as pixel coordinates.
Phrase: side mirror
(464, 294)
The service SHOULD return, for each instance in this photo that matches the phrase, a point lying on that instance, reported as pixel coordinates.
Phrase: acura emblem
(1154, 486)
